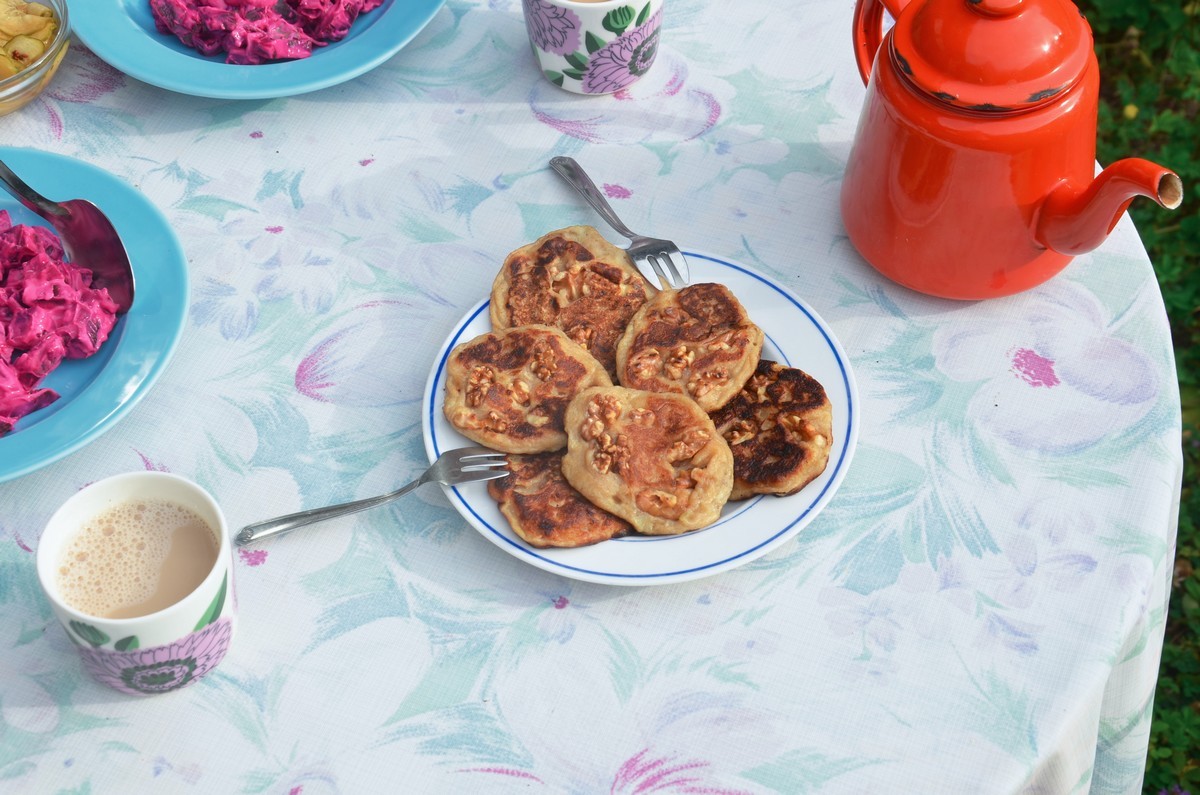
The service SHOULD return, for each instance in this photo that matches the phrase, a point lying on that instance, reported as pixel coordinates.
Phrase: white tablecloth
(979, 609)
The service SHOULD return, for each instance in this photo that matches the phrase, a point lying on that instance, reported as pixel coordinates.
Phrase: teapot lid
(991, 55)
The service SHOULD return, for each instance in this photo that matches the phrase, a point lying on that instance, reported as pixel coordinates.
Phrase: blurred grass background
(1149, 52)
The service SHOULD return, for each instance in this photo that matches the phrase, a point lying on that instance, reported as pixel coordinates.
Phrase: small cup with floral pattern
(593, 46)
(138, 568)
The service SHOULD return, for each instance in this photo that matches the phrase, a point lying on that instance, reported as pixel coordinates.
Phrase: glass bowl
(19, 89)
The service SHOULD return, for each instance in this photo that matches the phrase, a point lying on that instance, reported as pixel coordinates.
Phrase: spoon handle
(27, 195)
(578, 179)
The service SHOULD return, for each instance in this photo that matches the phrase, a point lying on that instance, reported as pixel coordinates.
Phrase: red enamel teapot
(972, 173)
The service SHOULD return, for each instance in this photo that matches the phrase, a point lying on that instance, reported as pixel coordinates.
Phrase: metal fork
(453, 468)
(662, 256)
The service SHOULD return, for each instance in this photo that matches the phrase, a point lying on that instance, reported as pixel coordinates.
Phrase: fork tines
(663, 257)
(666, 269)
(479, 462)
(464, 453)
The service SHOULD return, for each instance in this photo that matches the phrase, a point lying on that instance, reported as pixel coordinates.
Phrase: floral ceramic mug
(593, 47)
(172, 646)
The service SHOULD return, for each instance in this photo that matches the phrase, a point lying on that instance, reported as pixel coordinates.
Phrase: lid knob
(996, 8)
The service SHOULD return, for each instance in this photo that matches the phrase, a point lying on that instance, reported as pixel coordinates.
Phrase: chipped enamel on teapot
(973, 169)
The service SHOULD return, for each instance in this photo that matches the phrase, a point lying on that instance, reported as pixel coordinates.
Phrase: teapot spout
(1074, 221)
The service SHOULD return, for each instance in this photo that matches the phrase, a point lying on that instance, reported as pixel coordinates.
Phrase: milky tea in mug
(136, 558)
(138, 568)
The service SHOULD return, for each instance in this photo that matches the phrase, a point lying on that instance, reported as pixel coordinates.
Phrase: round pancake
(508, 390)
(545, 510)
(653, 459)
(697, 341)
(573, 279)
(780, 428)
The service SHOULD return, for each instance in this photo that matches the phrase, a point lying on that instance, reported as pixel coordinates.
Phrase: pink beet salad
(48, 312)
(257, 31)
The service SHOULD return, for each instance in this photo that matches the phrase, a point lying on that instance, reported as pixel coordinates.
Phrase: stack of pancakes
(624, 408)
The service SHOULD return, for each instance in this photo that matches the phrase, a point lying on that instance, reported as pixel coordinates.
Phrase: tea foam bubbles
(136, 558)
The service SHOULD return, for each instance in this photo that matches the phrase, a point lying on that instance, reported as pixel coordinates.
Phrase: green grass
(1149, 54)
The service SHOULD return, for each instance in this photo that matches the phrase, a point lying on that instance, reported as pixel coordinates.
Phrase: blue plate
(122, 33)
(97, 391)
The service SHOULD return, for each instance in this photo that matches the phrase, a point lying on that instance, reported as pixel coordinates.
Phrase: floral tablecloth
(979, 609)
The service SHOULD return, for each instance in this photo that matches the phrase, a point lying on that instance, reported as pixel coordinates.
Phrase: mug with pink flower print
(138, 569)
(593, 46)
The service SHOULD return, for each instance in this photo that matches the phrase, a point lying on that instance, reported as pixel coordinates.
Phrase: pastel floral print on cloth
(598, 61)
(160, 669)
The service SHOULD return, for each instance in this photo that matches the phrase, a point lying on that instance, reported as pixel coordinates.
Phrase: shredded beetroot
(48, 312)
(256, 31)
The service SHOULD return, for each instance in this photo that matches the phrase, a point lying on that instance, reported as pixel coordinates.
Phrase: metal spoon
(87, 236)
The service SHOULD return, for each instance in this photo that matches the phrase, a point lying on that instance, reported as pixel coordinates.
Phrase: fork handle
(578, 179)
(28, 196)
(283, 524)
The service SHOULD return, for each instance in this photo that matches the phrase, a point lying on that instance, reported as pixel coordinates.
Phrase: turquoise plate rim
(122, 34)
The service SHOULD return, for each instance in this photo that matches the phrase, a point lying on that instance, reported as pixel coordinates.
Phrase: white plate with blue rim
(795, 336)
(122, 33)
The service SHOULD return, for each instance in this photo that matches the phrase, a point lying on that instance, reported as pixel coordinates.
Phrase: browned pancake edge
(545, 511)
(780, 430)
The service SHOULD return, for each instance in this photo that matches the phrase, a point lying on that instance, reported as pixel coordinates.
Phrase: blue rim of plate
(122, 34)
(815, 504)
(98, 391)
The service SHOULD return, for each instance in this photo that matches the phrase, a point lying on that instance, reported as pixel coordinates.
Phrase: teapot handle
(868, 30)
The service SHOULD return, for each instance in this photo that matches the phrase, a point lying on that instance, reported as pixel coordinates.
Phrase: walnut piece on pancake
(653, 459)
(697, 341)
(780, 429)
(575, 280)
(545, 510)
(509, 389)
